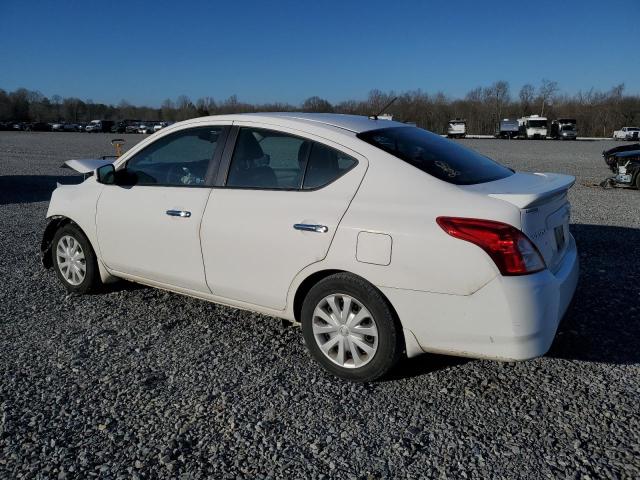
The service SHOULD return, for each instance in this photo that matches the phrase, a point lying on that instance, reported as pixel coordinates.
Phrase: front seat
(250, 165)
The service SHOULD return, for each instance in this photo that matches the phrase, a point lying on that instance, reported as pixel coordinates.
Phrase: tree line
(598, 113)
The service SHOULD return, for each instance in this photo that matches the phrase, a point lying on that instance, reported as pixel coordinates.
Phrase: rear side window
(267, 159)
(274, 160)
(437, 156)
(325, 165)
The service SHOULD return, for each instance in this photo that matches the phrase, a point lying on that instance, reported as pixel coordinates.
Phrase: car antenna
(375, 117)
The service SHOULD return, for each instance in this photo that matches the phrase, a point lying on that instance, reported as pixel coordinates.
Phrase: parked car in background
(508, 128)
(96, 126)
(37, 127)
(532, 127)
(564, 129)
(627, 133)
(132, 127)
(380, 238)
(159, 126)
(145, 127)
(119, 127)
(457, 128)
(57, 127)
(125, 126)
(70, 127)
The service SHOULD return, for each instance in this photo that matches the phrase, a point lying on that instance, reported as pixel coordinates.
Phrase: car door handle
(179, 213)
(306, 227)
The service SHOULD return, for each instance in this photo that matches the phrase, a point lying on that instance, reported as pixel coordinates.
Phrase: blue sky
(264, 51)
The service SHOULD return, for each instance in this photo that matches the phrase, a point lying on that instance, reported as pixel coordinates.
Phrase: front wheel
(350, 329)
(74, 260)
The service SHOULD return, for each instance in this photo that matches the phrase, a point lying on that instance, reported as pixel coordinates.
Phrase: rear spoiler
(556, 184)
(525, 190)
(88, 165)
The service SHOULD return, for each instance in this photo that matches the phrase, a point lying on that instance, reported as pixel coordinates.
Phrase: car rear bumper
(510, 318)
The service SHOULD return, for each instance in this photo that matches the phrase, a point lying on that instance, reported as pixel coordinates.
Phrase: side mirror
(106, 174)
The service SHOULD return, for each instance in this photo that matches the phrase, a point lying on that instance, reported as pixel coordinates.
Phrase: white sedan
(381, 239)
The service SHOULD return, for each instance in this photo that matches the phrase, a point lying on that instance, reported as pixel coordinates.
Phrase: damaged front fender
(47, 239)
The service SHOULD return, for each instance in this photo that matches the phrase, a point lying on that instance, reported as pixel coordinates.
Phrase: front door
(278, 211)
(148, 224)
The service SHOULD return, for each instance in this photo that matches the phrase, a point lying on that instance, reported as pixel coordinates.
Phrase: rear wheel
(74, 260)
(350, 329)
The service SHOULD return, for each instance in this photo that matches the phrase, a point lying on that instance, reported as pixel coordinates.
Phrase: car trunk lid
(544, 208)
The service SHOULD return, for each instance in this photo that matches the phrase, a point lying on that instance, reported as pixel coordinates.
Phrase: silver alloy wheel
(345, 331)
(71, 261)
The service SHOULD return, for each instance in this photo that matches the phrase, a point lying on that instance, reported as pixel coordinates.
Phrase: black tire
(390, 340)
(91, 279)
(638, 180)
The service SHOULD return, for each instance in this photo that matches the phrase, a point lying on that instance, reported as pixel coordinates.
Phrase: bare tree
(527, 94)
(56, 101)
(597, 112)
(548, 90)
(501, 96)
(168, 110)
(90, 110)
(205, 106)
(316, 104)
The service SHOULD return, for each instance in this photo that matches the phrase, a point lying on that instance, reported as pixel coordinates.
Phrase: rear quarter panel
(403, 202)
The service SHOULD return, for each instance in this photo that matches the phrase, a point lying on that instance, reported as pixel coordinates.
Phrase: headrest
(247, 148)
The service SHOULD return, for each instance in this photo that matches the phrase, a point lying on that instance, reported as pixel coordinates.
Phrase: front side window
(439, 157)
(179, 159)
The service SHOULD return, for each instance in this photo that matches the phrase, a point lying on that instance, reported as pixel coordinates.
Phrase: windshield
(537, 124)
(633, 129)
(441, 158)
(566, 128)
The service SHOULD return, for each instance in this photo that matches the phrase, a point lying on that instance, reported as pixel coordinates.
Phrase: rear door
(280, 203)
(150, 227)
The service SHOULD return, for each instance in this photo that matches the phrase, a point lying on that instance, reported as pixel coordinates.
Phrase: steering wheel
(176, 174)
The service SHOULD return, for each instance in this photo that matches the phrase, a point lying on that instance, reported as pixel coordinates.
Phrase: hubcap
(71, 261)
(345, 331)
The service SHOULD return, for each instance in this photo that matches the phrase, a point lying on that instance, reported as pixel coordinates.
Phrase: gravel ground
(139, 383)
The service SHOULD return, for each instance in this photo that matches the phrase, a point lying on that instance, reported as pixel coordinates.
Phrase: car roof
(352, 123)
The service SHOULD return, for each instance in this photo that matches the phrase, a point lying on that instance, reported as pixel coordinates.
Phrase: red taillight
(510, 249)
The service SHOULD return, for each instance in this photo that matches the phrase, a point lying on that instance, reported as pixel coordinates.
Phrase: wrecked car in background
(624, 162)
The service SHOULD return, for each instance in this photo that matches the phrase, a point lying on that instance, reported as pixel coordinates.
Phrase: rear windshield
(436, 156)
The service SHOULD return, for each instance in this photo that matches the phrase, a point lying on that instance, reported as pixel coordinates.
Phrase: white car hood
(87, 165)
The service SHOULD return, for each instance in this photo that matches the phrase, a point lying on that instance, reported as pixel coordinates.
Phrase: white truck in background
(627, 133)
(532, 127)
(457, 128)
